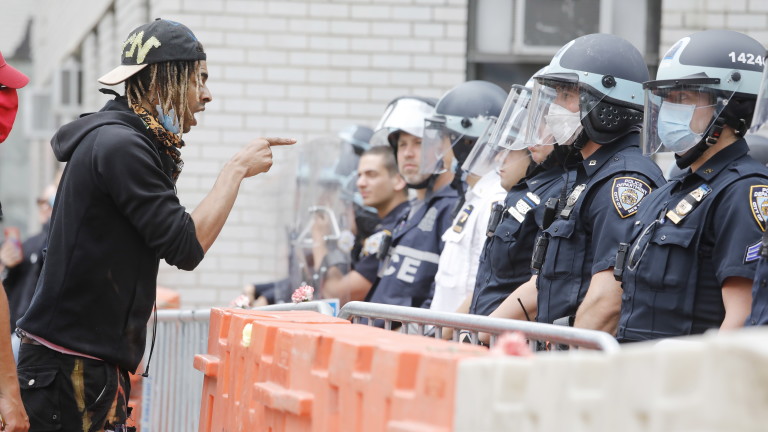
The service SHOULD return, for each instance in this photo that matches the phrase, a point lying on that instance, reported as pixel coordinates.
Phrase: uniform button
(556, 229)
(507, 233)
(55, 416)
(637, 222)
(663, 237)
(616, 158)
(31, 382)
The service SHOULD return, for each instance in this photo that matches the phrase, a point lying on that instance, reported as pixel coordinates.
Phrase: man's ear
(399, 183)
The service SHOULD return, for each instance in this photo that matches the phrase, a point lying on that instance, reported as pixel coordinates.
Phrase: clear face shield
(680, 113)
(324, 208)
(760, 117)
(436, 154)
(501, 149)
(481, 159)
(558, 105)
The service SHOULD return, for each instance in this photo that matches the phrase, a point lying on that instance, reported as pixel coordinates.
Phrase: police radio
(539, 252)
(497, 212)
(550, 209)
(621, 259)
(384, 245)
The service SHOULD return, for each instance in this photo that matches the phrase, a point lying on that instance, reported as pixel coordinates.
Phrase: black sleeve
(129, 170)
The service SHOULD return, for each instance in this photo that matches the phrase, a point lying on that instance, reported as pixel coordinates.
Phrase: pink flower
(512, 344)
(302, 293)
(241, 302)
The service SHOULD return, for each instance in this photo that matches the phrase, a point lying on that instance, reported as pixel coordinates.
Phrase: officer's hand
(10, 255)
(256, 157)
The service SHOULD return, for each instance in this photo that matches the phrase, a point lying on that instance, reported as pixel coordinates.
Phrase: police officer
(506, 257)
(759, 315)
(407, 272)
(690, 264)
(382, 188)
(461, 116)
(590, 98)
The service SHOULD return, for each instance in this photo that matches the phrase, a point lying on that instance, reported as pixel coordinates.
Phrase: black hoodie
(116, 215)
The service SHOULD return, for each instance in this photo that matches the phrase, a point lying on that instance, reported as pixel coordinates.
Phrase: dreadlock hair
(169, 81)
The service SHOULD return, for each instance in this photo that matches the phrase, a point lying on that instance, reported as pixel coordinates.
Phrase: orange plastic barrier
(304, 371)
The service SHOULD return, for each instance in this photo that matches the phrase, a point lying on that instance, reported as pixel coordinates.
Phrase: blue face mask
(674, 127)
(169, 121)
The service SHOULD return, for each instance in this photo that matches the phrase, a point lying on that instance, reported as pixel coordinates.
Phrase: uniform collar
(487, 186)
(395, 213)
(722, 159)
(607, 152)
(545, 176)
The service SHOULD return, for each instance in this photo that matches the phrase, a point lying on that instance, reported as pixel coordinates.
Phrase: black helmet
(605, 73)
(705, 81)
(461, 116)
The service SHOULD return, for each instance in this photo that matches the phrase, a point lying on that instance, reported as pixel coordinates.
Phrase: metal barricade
(172, 392)
(425, 321)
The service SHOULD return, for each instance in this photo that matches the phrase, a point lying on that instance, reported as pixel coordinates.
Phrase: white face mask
(674, 127)
(564, 125)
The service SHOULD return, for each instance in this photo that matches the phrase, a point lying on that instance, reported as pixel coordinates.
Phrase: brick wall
(683, 17)
(300, 69)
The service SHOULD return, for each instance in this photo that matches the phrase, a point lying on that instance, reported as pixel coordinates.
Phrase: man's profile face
(374, 182)
(409, 157)
(197, 96)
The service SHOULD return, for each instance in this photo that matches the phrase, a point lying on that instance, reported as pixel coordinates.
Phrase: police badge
(758, 197)
(627, 192)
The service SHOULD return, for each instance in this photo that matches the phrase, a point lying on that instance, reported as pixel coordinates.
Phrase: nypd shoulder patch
(758, 201)
(627, 192)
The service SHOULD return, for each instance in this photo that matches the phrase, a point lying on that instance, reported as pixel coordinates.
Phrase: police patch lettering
(627, 192)
(758, 197)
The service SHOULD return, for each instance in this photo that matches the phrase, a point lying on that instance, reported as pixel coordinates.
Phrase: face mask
(564, 125)
(169, 121)
(674, 126)
(9, 105)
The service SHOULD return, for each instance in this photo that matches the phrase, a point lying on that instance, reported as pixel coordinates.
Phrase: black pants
(71, 393)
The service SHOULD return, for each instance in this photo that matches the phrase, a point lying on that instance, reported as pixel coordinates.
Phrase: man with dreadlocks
(116, 215)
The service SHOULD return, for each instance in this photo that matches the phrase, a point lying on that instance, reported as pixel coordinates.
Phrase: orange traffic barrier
(234, 362)
(302, 371)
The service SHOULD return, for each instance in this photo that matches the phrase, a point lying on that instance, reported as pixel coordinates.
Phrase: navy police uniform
(505, 263)
(689, 237)
(759, 315)
(368, 264)
(607, 190)
(407, 274)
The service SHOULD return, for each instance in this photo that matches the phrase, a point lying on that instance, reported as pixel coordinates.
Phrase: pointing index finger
(275, 141)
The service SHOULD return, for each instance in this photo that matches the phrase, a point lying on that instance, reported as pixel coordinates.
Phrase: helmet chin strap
(428, 183)
(685, 160)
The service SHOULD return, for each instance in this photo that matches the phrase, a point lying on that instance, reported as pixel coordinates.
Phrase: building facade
(306, 69)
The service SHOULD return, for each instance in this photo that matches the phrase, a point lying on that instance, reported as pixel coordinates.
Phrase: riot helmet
(705, 81)
(502, 148)
(591, 90)
(461, 116)
(403, 114)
